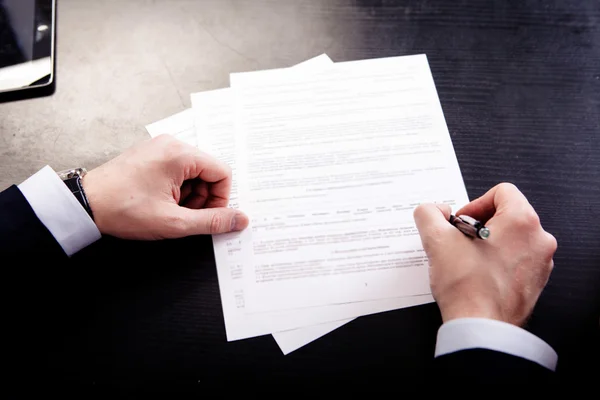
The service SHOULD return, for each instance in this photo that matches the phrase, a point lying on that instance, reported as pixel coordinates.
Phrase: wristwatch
(72, 178)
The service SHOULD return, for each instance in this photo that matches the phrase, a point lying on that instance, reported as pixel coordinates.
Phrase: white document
(331, 165)
(180, 126)
(289, 341)
(219, 109)
(214, 115)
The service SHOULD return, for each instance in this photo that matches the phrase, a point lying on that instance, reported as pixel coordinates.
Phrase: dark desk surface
(519, 82)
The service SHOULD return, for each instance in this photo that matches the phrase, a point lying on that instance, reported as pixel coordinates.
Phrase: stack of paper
(329, 160)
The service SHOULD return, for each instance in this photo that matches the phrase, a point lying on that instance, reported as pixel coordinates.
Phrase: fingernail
(238, 222)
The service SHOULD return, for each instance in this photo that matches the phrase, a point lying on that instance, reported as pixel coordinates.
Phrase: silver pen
(470, 226)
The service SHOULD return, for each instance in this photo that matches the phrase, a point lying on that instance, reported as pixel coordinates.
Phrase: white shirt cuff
(471, 333)
(59, 211)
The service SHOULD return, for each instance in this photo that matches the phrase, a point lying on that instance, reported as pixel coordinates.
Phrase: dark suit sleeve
(23, 237)
(489, 367)
(33, 267)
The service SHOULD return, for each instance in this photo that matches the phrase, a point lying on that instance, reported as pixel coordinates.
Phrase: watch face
(71, 173)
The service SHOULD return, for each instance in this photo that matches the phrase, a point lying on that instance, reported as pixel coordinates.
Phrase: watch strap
(75, 186)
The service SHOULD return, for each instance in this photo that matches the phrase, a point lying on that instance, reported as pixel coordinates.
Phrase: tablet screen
(26, 43)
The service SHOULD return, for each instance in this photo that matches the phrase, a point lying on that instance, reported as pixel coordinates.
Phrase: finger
(214, 200)
(432, 221)
(209, 221)
(209, 169)
(497, 200)
(185, 191)
(198, 196)
(190, 163)
(432, 213)
(214, 172)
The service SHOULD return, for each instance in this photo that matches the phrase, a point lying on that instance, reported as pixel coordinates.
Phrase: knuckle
(176, 146)
(174, 151)
(422, 211)
(417, 212)
(216, 164)
(215, 223)
(530, 218)
(551, 243)
(507, 186)
(163, 139)
(507, 190)
(526, 219)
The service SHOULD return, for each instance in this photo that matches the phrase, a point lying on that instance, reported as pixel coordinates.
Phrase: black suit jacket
(33, 262)
(22, 233)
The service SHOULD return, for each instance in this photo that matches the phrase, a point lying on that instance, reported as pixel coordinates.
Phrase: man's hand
(500, 278)
(162, 189)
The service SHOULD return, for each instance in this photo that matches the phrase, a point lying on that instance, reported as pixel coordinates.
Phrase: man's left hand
(162, 189)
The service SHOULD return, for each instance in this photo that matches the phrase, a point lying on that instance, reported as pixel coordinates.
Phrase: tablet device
(27, 41)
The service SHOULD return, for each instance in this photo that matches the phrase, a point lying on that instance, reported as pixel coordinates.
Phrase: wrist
(72, 178)
(471, 309)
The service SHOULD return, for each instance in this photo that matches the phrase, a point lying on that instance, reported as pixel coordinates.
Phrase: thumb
(208, 221)
(432, 221)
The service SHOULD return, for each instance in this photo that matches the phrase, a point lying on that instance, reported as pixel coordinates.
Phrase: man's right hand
(500, 278)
